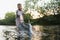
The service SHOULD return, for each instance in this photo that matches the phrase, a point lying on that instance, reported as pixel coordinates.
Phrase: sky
(11, 5)
(8, 6)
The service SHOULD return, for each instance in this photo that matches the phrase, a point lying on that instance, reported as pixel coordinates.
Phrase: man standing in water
(19, 19)
(20, 22)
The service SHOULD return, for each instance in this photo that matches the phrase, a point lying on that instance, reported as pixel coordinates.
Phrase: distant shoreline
(32, 24)
(7, 25)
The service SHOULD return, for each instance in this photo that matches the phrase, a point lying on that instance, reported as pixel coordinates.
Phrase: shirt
(20, 16)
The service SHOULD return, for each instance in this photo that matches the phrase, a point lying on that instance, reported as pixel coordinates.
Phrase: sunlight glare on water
(1, 32)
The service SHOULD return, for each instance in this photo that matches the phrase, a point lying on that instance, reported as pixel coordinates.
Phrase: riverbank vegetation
(45, 20)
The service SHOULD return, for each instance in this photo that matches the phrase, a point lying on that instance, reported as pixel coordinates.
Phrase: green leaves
(9, 18)
(27, 17)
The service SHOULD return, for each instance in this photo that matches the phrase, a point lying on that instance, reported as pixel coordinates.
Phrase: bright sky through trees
(10, 5)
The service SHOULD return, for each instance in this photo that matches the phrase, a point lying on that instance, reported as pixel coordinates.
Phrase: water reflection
(40, 32)
(1, 33)
(7, 30)
(53, 31)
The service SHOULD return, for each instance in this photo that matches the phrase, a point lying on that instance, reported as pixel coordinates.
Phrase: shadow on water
(52, 31)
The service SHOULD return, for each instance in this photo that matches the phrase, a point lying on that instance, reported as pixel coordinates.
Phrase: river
(41, 32)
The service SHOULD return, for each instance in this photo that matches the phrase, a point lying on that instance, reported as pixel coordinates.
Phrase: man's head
(19, 6)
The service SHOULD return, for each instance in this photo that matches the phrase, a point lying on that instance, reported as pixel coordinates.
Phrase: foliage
(9, 19)
(27, 17)
(33, 5)
(53, 5)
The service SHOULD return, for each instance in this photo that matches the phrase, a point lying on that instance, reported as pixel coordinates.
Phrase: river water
(40, 32)
(5, 28)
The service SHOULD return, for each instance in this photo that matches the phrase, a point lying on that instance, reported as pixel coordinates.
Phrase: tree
(33, 5)
(10, 18)
(53, 5)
